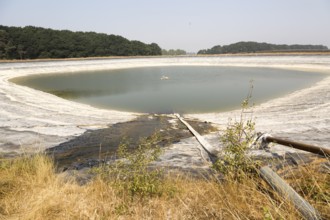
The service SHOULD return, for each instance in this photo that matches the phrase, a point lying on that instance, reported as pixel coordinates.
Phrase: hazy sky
(187, 24)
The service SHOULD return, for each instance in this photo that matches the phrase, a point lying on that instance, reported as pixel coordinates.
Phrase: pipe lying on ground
(287, 192)
(207, 148)
(301, 146)
(275, 181)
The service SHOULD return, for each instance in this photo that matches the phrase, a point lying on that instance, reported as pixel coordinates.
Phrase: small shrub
(132, 172)
(236, 140)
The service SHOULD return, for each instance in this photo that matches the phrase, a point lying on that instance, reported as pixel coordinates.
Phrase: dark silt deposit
(100, 146)
(93, 146)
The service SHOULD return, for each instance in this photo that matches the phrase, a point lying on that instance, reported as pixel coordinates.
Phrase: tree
(252, 47)
(3, 44)
(173, 52)
(35, 42)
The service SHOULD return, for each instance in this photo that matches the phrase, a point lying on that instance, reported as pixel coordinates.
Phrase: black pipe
(301, 146)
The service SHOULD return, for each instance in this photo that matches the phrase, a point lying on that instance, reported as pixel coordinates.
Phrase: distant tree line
(252, 47)
(173, 52)
(35, 42)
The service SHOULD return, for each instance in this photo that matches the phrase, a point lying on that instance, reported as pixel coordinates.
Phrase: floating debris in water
(164, 78)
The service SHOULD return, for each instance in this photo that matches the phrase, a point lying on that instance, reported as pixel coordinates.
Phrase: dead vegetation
(30, 189)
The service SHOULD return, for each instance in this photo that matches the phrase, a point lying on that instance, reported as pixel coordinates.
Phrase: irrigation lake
(170, 89)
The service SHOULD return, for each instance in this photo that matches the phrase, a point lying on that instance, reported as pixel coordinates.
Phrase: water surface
(167, 89)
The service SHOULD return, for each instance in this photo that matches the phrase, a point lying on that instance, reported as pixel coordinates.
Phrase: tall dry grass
(312, 182)
(31, 189)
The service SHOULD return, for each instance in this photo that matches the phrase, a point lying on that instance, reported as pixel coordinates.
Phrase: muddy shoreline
(102, 144)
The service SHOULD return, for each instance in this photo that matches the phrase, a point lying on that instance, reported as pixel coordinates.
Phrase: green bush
(236, 140)
(132, 172)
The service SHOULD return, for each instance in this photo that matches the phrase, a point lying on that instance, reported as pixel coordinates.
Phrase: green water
(188, 89)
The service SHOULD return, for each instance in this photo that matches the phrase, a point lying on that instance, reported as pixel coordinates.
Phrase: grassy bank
(31, 189)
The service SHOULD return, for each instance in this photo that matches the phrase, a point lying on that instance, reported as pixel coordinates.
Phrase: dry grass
(30, 189)
(312, 184)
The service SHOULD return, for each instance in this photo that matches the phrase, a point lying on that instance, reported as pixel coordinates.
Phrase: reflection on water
(170, 89)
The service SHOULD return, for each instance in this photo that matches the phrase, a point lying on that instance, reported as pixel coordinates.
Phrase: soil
(94, 146)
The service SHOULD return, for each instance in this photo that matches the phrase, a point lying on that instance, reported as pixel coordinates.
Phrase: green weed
(236, 140)
(132, 172)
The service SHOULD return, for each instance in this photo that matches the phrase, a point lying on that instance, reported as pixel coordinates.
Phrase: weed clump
(132, 171)
(236, 140)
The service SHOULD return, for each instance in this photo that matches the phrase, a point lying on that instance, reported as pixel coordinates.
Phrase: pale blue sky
(187, 24)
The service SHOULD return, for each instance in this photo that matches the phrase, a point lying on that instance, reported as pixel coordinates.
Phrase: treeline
(253, 47)
(173, 52)
(35, 42)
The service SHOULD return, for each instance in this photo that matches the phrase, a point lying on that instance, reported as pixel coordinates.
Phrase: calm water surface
(186, 89)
